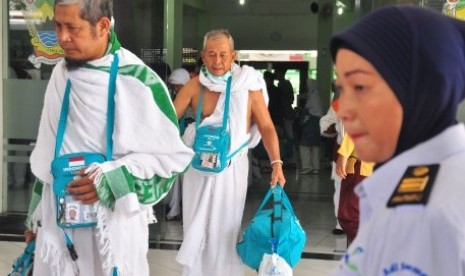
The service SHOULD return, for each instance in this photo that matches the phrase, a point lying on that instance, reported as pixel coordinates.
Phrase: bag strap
(225, 115)
(285, 200)
(199, 108)
(280, 199)
(231, 155)
(111, 106)
(63, 119)
(265, 200)
(110, 113)
(226, 106)
(277, 217)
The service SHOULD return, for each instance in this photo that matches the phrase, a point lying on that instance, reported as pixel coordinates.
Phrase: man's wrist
(277, 161)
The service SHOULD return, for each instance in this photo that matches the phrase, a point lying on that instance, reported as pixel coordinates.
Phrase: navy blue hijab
(420, 53)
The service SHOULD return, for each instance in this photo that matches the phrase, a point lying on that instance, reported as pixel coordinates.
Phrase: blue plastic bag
(274, 230)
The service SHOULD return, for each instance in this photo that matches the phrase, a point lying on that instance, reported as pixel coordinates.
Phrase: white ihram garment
(140, 155)
(214, 204)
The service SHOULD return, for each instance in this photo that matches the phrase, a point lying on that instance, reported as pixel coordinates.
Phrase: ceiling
(298, 7)
(260, 7)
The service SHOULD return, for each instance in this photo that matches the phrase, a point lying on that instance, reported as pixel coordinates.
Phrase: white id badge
(209, 160)
(73, 213)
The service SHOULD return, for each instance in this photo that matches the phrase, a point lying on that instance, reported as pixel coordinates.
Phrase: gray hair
(217, 34)
(91, 10)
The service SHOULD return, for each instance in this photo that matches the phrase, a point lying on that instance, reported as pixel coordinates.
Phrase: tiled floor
(311, 197)
(162, 262)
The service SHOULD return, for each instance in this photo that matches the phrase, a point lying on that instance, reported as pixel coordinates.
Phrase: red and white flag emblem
(76, 161)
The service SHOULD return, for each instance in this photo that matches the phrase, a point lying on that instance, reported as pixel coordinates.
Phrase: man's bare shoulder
(192, 86)
(255, 94)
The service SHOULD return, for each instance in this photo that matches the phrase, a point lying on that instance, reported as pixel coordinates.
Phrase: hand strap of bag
(277, 217)
(285, 199)
(226, 107)
(110, 113)
(280, 199)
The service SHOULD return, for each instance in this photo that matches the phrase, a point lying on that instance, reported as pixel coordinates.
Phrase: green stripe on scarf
(104, 193)
(35, 199)
(118, 176)
(113, 43)
(120, 182)
(150, 191)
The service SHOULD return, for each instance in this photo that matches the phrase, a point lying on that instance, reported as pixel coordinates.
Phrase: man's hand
(341, 166)
(277, 175)
(330, 131)
(30, 236)
(83, 188)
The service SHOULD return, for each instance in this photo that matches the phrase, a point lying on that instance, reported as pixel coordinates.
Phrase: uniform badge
(415, 186)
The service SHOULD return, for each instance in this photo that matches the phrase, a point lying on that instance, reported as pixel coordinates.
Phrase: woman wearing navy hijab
(401, 72)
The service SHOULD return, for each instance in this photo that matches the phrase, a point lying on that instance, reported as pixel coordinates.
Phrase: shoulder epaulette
(415, 186)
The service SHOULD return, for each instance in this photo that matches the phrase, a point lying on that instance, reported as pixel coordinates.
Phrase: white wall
(269, 32)
(255, 29)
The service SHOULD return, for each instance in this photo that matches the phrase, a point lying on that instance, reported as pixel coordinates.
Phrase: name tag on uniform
(415, 186)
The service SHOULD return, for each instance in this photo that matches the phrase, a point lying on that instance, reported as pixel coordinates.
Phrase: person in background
(330, 126)
(191, 69)
(176, 82)
(286, 91)
(178, 78)
(213, 203)
(310, 140)
(274, 105)
(143, 163)
(287, 112)
(401, 84)
(351, 170)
